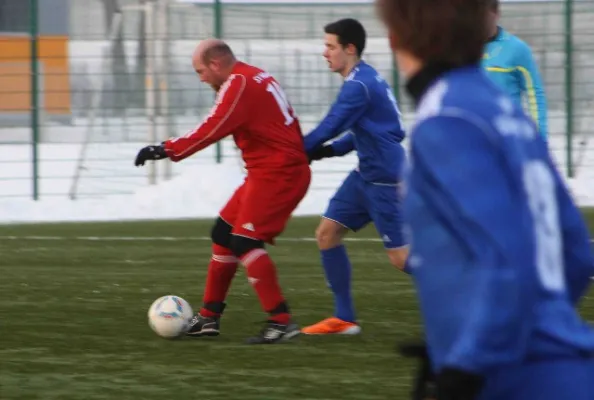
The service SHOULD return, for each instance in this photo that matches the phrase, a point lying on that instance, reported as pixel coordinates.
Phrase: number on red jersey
(282, 101)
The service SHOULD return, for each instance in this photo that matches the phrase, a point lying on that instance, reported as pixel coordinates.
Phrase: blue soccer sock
(338, 274)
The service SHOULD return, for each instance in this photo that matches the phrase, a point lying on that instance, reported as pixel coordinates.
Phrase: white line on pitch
(169, 238)
(163, 238)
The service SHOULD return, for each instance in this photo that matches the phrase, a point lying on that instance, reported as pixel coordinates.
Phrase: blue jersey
(367, 108)
(509, 63)
(499, 251)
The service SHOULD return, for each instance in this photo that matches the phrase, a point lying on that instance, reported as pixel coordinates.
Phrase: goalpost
(93, 109)
(156, 84)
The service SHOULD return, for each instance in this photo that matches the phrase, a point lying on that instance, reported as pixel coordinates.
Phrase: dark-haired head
(344, 44)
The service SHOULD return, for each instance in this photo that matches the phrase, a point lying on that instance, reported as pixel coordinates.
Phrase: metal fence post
(569, 86)
(396, 81)
(34, 33)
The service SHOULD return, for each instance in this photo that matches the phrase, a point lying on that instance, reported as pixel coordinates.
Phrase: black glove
(455, 384)
(424, 383)
(449, 384)
(150, 153)
(321, 152)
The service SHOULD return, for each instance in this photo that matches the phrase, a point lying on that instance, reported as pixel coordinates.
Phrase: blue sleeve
(456, 161)
(344, 145)
(351, 103)
(577, 250)
(533, 88)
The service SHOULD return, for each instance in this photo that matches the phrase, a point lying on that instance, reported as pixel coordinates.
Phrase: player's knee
(398, 257)
(329, 234)
(241, 245)
(221, 233)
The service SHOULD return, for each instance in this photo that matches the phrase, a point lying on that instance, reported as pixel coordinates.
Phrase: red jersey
(253, 108)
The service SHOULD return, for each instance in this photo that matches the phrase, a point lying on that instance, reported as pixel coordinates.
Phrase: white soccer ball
(169, 316)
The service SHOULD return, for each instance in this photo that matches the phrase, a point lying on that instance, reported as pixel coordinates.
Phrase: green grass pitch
(73, 318)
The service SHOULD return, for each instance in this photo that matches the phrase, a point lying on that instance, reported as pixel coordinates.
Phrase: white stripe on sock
(225, 259)
(252, 256)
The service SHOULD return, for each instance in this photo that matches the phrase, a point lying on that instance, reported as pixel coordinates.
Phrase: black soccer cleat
(204, 326)
(274, 332)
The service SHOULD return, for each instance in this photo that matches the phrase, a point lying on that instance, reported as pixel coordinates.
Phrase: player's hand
(321, 152)
(424, 383)
(150, 153)
(455, 384)
(449, 384)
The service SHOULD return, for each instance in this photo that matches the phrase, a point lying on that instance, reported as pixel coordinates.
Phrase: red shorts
(261, 207)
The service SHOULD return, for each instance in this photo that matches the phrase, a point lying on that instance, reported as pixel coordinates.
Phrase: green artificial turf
(73, 318)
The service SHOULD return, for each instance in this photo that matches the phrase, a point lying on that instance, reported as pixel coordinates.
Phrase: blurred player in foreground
(251, 106)
(499, 252)
(509, 62)
(367, 109)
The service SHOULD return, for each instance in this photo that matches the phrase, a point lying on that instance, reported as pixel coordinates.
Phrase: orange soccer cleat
(332, 326)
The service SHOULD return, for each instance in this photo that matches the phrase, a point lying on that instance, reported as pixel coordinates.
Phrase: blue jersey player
(366, 109)
(498, 250)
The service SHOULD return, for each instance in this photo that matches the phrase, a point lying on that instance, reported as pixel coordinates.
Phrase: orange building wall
(15, 74)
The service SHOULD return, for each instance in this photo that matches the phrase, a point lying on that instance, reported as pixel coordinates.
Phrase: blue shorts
(357, 203)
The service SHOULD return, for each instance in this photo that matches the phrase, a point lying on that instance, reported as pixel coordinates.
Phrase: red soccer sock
(221, 270)
(261, 274)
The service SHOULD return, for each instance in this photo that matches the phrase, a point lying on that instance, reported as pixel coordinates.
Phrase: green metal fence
(125, 79)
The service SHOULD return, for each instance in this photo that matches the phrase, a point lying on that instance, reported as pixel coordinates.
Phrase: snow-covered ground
(111, 188)
(198, 191)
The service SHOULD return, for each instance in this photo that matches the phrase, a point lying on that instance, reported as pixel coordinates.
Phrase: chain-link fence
(118, 73)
